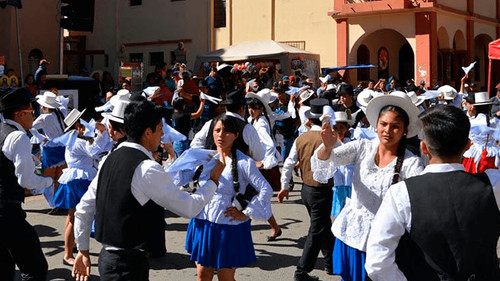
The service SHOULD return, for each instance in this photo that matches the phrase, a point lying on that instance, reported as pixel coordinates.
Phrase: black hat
(282, 88)
(316, 108)
(234, 97)
(14, 99)
(346, 88)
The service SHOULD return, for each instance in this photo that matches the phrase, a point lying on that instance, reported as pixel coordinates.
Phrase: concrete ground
(276, 260)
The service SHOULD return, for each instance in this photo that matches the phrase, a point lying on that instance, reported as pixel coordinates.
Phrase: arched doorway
(406, 63)
(481, 54)
(363, 56)
(383, 46)
(34, 57)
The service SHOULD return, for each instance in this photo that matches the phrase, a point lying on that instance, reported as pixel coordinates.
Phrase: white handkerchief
(468, 68)
(150, 90)
(210, 98)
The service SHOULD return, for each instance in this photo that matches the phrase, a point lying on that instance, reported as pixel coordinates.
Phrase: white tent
(261, 50)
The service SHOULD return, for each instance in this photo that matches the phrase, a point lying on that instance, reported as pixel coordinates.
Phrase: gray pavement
(276, 260)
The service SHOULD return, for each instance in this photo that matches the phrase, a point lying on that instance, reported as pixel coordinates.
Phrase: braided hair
(402, 143)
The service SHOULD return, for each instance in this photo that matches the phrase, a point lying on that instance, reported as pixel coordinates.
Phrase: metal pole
(19, 47)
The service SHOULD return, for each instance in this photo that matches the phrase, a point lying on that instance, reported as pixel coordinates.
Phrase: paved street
(276, 260)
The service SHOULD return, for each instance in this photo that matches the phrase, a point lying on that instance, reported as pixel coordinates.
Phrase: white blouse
(50, 125)
(264, 130)
(80, 158)
(481, 139)
(260, 205)
(369, 186)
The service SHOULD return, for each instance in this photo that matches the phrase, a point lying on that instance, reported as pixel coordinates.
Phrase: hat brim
(110, 116)
(269, 111)
(310, 115)
(420, 100)
(484, 103)
(47, 105)
(74, 121)
(306, 98)
(377, 103)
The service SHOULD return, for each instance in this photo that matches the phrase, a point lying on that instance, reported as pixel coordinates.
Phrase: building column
(426, 51)
(342, 39)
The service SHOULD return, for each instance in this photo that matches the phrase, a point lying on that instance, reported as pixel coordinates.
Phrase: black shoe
(58, 212)
(273, 238)
(303, 276)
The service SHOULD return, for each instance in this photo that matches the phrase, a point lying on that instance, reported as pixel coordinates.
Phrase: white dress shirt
(17, 148)
(394, 217)
(369, 186)
(263, 129)
(149, 182)
(250, 136)
(291, 160)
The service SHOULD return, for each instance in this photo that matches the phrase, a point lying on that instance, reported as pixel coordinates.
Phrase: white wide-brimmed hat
(482, 98)
(305, 95)
(264, 96)
(48, 99)
(72, 117)
(121, 95)
(399, 99)
(417, 100)
(341, 116)
(118, 113)
(448, 92)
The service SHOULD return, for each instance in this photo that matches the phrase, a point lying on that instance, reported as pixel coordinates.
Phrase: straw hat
(341, 116)
(72, 117)
(48, 99)
(417, 100)
(118, 113)
(482, 98)
(448, 92)
(264, 96)
(305, 95)
(399, 99)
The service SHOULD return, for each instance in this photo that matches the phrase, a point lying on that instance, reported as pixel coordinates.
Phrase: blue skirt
(52, 156)
(68, 195)
(220, 245)
(340, 193)
(348, 262)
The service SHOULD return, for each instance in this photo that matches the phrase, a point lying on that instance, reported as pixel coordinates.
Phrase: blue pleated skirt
(348, 262)
(68, 195)
(220, 245)
(52, 156)
(340, 193)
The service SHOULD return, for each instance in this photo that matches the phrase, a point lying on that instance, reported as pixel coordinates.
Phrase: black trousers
(19, 245)
(318, 202)
(123, 265)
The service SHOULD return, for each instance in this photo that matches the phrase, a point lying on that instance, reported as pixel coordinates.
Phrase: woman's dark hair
(140, 115)
(28, 76)
(485, 109)
(446, 130)
(230, 125)
(178, 103)
(400, 113)
(117, 126)
(60, 117)
(257, 104)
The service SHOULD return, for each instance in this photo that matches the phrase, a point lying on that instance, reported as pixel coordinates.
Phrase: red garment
(165, 95)
(485, 163)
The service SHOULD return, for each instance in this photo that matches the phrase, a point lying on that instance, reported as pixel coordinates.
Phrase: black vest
(239, 142)
(120, 220)
(456, 225)
(10, 190)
